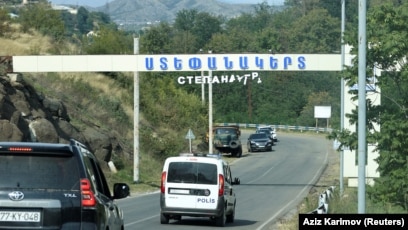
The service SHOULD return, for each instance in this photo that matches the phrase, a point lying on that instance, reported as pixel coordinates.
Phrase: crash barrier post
(323, 203)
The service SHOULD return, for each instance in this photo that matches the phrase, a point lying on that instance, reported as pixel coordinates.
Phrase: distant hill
(142, 13)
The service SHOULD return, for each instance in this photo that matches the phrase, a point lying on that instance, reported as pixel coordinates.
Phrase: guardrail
(323, 203)
(281, 127)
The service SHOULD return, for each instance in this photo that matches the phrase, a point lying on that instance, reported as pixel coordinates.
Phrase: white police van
(197, 185)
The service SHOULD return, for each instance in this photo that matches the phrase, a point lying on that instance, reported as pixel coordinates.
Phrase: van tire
(221, 220)
(231, 216)
(164, 219)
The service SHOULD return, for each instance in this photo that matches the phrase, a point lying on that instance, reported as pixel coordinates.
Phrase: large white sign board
(180, 62)
(322, 111)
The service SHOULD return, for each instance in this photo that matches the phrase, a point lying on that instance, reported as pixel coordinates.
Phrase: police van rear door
(192, 184)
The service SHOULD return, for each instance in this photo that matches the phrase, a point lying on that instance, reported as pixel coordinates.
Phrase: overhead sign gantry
(176, 63)
(173, 63)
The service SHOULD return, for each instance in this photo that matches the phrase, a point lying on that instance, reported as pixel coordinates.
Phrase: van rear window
(192, 172)
(39, 172)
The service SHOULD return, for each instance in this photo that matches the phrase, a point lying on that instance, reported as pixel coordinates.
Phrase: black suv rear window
(39, 172)
(192, 172)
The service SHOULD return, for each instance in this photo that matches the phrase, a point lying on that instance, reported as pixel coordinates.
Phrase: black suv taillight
(88, 198)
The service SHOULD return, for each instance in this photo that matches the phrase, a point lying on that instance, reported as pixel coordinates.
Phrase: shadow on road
(204, 222)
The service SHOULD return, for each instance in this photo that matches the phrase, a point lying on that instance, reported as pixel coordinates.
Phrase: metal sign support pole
(210, 113)
(362, 142)
(343, 18)
(136, 118)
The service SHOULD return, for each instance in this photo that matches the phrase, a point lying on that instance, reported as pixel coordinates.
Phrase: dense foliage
(387, 50)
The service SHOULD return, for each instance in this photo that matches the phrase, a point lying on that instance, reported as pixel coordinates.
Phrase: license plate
(179, 191)
(20, 216)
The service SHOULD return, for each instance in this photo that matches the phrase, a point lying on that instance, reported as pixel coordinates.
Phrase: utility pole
(343, 18)
(136, 117)
(362, 142)
(249, 92)
(202, 84)
(210, 114)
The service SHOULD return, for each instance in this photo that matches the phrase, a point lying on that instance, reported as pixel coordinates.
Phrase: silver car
(270, 130)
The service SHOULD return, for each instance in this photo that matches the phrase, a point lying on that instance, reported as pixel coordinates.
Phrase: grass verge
(346, 203)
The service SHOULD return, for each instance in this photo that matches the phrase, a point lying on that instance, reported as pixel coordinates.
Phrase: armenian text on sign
(225, 62)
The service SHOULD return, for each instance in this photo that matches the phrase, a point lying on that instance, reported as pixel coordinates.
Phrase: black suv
(56, 186)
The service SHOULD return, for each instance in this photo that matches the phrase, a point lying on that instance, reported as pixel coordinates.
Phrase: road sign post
(190, 136)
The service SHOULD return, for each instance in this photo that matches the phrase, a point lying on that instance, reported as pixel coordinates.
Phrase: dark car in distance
(259, 142)
(270, 130)
(268, 133)
(56, 186)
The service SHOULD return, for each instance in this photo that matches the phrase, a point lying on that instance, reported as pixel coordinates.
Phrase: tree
(109, 41)
(43, 18)
(262, 18)
(196, 26)
(205, 26)
(388, 32)
(302, 6)
(184, 42)
(234, 40)
(84, 22)
(307, 117)
(12, 2)
(317, 25)
(268, 40)
(221, 43)
(386, 35)
(185, 20)
(157, 39)
(4, 22)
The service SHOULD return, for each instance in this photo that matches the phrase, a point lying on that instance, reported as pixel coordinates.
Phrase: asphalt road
(272, 183)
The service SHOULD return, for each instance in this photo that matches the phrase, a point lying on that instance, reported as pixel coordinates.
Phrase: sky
(97, 3)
